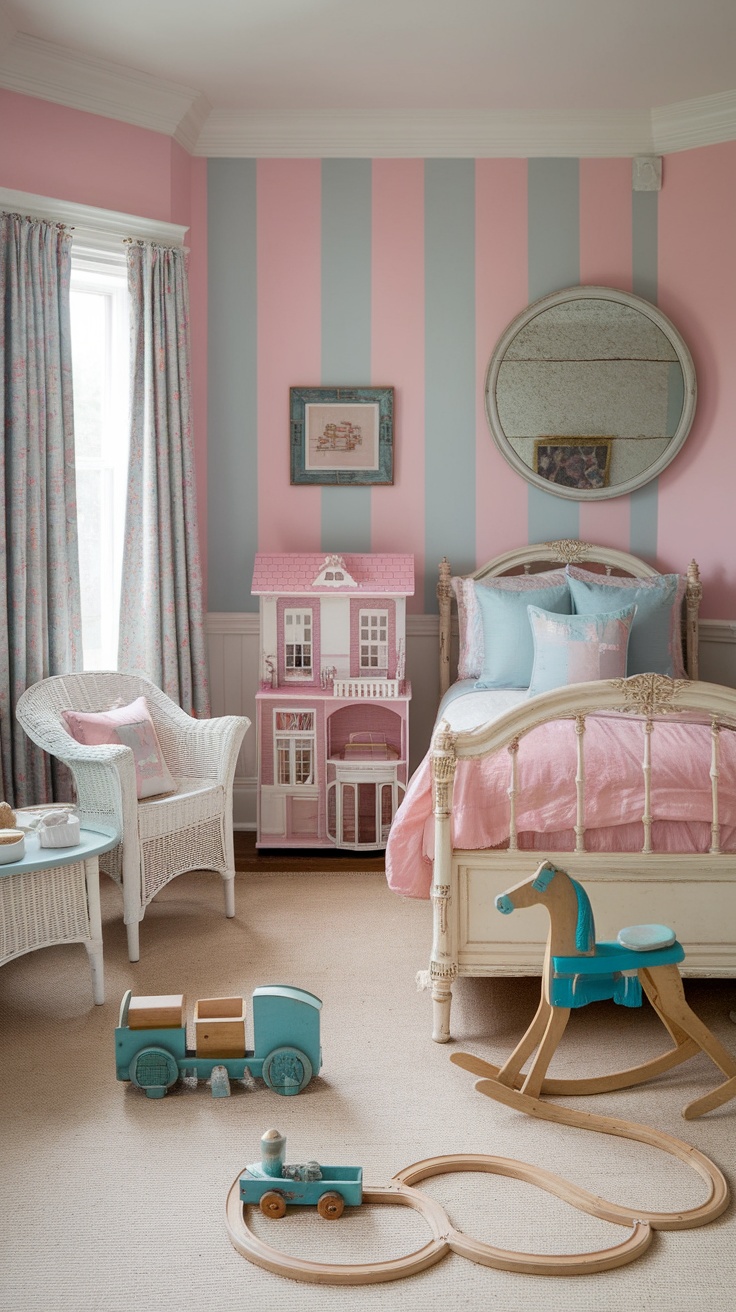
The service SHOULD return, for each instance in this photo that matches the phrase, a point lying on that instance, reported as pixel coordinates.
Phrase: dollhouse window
(298, 644)
(373, 640)
(294, 747)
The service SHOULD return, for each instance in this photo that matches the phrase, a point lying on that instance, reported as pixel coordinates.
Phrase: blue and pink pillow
(578, 648)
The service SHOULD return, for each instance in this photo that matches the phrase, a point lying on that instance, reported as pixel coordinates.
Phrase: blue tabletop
(91, 843)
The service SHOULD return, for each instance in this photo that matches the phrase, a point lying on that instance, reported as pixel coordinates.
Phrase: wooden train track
(445, 1238)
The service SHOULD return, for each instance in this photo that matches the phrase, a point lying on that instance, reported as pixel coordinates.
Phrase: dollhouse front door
(361, 803)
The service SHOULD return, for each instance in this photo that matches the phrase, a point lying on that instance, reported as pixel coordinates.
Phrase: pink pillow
(133, 727)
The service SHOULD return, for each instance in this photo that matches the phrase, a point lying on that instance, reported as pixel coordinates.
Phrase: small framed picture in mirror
(580, 462)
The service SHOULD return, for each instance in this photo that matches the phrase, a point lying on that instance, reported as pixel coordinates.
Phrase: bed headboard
(567, 551)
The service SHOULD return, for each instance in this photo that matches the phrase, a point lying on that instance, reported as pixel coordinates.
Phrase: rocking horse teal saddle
(599, 971)
(611, 972)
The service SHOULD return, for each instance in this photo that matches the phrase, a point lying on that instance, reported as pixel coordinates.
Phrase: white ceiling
(653, 74)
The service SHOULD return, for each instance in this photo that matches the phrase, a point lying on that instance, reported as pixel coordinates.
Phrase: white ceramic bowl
(12, 849)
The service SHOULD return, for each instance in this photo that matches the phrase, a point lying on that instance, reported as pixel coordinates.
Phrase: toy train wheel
(331, 1206)
(154, 1070)
(287, 1070)
(273, 1204)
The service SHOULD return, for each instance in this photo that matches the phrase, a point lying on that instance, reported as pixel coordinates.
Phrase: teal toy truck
(151, 1041)
(273, 1185)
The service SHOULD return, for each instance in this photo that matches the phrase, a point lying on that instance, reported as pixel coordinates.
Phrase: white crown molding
(703, 122)
(105, 228)
(34, 67)
(40, 68)
(7, 29)
(189, 128)
(430, 134)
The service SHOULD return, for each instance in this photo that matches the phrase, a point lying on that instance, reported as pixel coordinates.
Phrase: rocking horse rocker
(577, 970)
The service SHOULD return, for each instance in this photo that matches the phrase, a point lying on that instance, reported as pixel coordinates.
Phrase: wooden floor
(247, 858)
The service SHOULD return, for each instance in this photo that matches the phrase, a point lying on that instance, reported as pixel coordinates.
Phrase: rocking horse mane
(585, 927)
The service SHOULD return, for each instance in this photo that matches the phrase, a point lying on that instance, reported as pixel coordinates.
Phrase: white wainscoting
(232, 653)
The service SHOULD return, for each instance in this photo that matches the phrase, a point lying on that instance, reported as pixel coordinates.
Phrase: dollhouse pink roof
(292, 572)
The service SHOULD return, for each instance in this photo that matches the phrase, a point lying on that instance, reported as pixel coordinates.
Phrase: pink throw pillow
(133, 727)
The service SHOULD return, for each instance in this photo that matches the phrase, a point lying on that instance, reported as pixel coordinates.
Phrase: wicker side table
(52, 896)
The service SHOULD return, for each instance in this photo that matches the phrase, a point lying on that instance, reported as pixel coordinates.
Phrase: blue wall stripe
(450, 382)
(645, 255)
(232, 336)
(346, 326)
(551, 517)
(644, 245)
(554, 225)
(554, 263)
(643, 531)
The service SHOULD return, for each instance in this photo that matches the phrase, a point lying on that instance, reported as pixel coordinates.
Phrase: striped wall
(405, 272)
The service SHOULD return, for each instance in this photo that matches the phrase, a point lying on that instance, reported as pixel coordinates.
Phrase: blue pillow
(578, 648)
(655, 646)
(508, 649)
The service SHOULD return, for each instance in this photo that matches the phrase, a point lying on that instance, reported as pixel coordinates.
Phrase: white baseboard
(233, 660)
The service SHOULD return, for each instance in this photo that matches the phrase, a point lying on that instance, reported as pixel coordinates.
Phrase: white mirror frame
(689, 390)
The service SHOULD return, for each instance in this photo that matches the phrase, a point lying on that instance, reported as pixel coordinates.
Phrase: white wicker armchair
(161, 837)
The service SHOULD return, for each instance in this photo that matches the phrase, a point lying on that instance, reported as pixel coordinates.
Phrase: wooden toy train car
(151, 1048)
(273, 1186)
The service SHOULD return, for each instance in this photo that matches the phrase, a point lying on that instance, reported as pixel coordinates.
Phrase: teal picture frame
(341, 436)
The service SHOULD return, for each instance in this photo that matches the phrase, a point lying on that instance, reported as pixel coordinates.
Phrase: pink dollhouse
(333, 706)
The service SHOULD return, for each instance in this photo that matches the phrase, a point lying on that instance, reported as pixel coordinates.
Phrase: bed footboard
(695, 894)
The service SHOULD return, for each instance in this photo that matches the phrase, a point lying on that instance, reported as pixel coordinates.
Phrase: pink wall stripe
(54, 151)
(605, 261)
(289, 350)
(697, 289)
(397, 354)
(501, 293)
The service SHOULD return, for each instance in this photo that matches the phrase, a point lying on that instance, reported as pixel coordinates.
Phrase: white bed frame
(695, 894)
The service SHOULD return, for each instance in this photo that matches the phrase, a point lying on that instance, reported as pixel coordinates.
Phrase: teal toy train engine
(151, 1040)
(273, 1185)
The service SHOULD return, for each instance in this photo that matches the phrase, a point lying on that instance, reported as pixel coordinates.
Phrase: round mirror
(590, 393)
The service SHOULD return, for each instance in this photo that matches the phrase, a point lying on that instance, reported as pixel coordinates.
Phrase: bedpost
(444, 597)
(443, 963)
(693, 598)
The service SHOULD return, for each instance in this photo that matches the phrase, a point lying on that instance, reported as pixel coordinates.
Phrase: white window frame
(373, 641)
(101, 272)
(288, 743)
(98, 234)
(299, 619)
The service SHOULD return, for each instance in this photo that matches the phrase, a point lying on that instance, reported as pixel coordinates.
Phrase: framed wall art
(342, 435)
(582, 463)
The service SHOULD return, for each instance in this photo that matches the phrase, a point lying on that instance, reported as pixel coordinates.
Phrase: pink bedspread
(681, 800)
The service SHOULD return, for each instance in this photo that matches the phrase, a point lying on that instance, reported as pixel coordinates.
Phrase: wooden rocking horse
(577, 970)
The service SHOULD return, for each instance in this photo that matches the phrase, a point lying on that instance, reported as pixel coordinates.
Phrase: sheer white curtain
(161, 620)
(40, 616)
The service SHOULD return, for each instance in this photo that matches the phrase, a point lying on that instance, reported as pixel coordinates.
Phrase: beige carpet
(112, 1201)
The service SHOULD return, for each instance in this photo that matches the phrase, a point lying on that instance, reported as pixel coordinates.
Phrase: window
(100, 372)
(294, 747)
(298, 644)
(374, 640)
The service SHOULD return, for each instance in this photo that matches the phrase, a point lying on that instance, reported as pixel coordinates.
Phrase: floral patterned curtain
(40, 615)
(161, 623)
